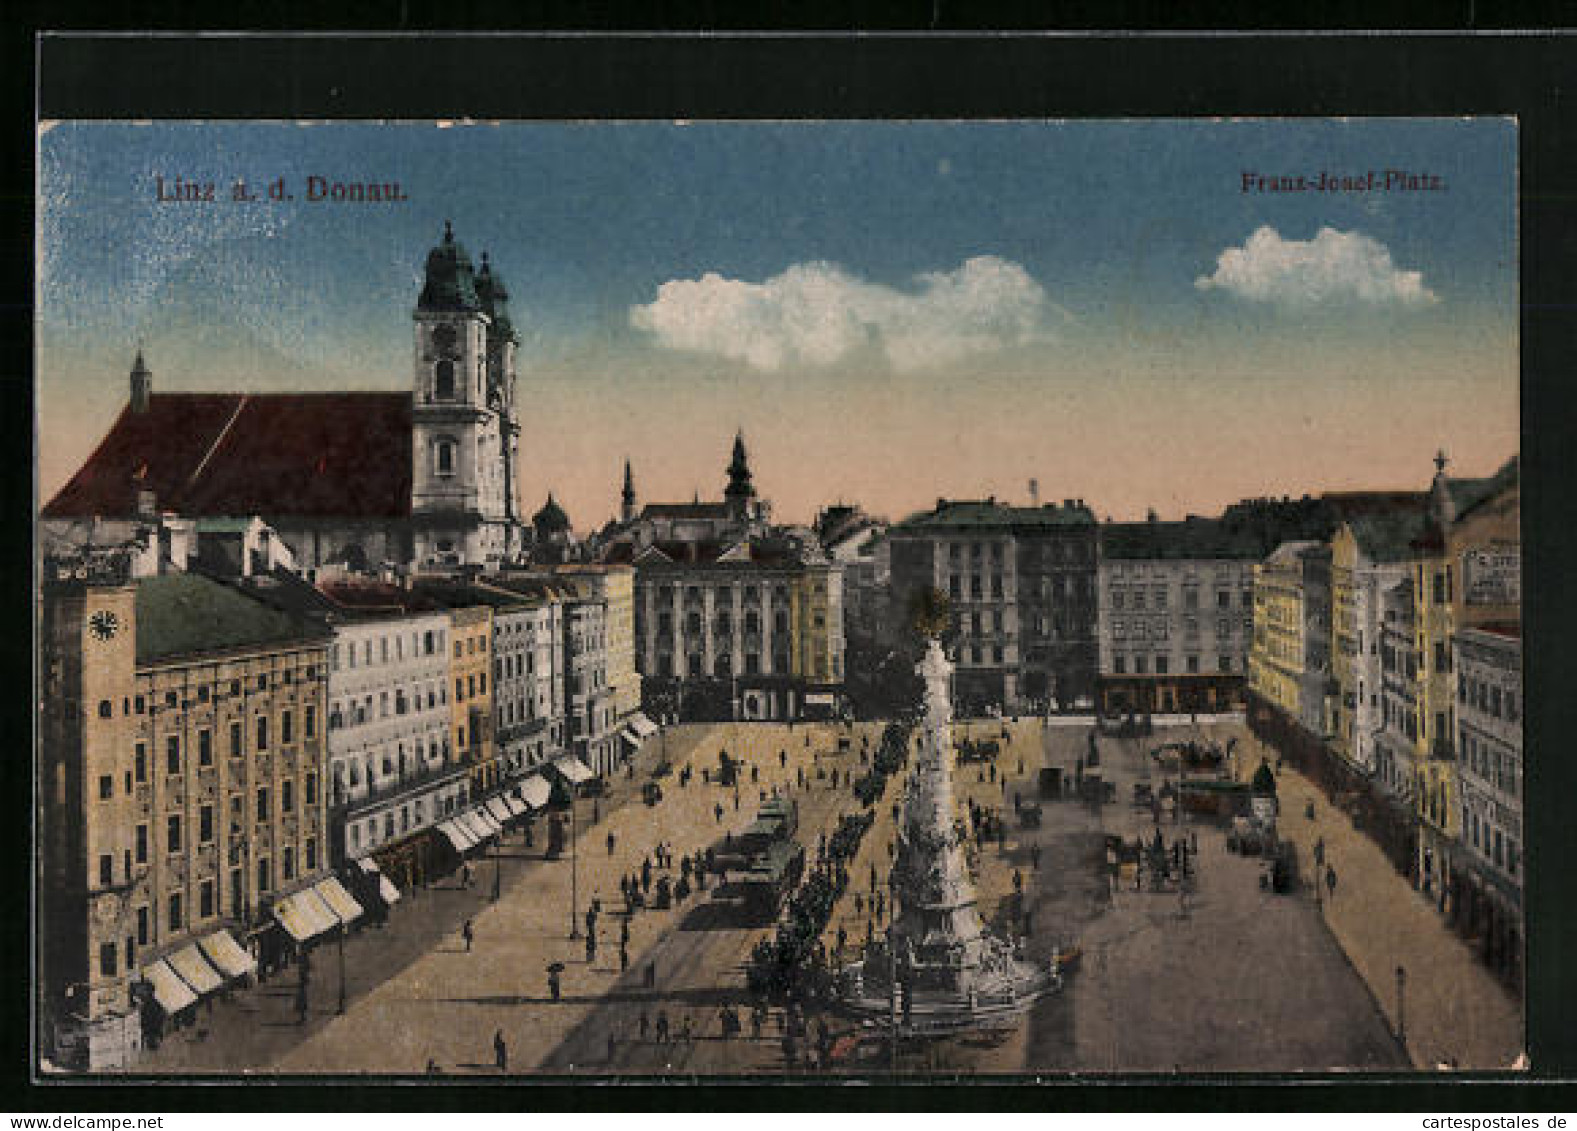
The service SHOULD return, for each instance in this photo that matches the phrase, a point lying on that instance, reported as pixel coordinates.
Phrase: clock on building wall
(104, 624)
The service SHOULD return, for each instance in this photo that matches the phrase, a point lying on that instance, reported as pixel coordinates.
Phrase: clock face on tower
(104, 624)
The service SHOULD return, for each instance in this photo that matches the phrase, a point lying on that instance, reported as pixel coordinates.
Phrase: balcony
(407, 784)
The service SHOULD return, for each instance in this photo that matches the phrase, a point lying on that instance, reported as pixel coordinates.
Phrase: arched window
(444, 456)
(443, 380)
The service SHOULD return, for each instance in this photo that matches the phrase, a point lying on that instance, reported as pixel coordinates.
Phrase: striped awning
(225, 953)
(386, 889)
(641, 725)
(499, 811)
(340, 901)
(195, 970)
(172, 994)
(458, 836)
(574, 770)
(304, 916)
(476, 825)
(516, 807)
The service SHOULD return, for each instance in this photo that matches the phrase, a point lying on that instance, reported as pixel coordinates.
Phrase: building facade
(1289, 664)
(1021, 582)
(184, 790)
(752, 630)
(1176, 616)
(391, 757)
(358, 478)
(473, 737)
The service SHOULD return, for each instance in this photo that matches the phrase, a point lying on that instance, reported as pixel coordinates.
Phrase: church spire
(739, 491)
(141, 384)
(627, 496)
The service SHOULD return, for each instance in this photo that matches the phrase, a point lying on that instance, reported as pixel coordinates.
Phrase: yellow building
(184, 757)
(1289, 664)
(816, 605)
(471, 699)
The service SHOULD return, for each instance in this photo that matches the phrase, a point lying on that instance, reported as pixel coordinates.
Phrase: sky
(1144, 314)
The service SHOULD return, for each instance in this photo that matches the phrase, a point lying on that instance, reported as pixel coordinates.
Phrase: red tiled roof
(307, 455)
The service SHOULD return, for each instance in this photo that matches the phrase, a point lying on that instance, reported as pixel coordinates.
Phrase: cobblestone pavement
(1457, 1011)
(1245, 981)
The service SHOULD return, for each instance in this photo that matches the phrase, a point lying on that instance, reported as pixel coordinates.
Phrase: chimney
(1034, 492)
(141, 385)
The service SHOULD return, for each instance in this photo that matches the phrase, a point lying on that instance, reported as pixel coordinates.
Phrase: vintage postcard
(778, 599)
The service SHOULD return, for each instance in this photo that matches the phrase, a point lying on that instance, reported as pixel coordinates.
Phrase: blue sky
(892, 311)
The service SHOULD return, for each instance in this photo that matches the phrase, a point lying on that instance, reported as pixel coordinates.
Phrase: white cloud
(1333, 267)
(816, 314)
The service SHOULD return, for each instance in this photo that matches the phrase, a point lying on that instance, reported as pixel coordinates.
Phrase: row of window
(722, 666)
(138, 704)
(173, 750)
(1491, 843)
(1491, 763)
(722, 625)
(355, 712)
(353, 653)
(1488, 698)
(1135, 598)
(1141, 664)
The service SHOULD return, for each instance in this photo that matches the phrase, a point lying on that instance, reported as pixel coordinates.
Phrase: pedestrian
(553, 984)
(611, 842)
(783, 759)
(717, 812)
(651, 975)
(624, 932)
(624, 957)
(645, 1024)
(591, 947)
(500, 1051)
(1018, 882)
(1034, 856)
(612, 1045)
(465, 875)
(468, 934)
(684, 1029)
(646, 876)
(1330, 881)
(301, 1003)
(662, 1027)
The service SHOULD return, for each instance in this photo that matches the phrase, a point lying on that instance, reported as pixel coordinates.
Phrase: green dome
(450, 282)
(551, 519)
(493, 297)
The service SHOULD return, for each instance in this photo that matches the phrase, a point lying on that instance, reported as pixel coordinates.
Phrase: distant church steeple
(141, 384)
(627, 496)
(1441, 505)
(739, 492)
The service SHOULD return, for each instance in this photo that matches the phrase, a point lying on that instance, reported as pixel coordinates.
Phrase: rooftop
(1193, 539)
(182, 614)
(308, 455)
(982, 514)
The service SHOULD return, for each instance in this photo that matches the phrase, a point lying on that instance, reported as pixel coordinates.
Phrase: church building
(426, 477)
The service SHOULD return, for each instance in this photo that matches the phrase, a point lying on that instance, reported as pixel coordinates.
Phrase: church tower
(739, 495)
(463, 433)
(627, 496)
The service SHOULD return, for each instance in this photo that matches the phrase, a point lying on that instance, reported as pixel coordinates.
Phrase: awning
(340, 901)
(172, 994)
(195, 970)
(574, 770)
(536, 792)
(473, 823)
(224, 952)
(481, 813)
(458, 836)
(516, 807)
(304, 916)
(387, 891)
(641, 725)
(319, 909)
(629, 735)
(499, 810)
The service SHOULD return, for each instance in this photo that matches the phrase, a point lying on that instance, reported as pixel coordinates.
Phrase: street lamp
(574, 882)
(1401, 1005)
(341, 967)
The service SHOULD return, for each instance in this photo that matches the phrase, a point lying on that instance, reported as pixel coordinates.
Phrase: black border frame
(744, 76)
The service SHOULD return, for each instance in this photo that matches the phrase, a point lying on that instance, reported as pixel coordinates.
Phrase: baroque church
(426, 478)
